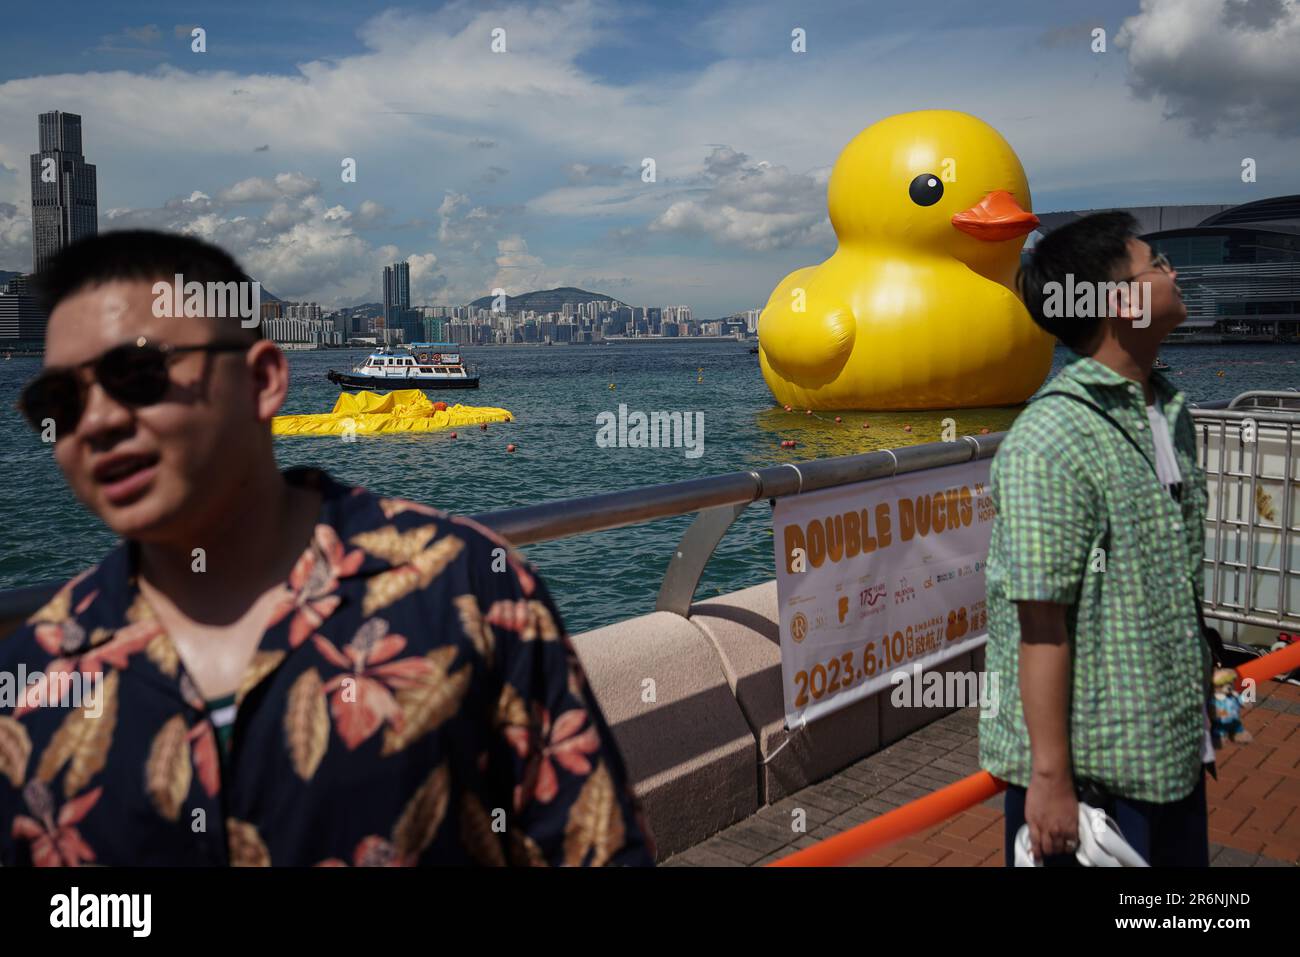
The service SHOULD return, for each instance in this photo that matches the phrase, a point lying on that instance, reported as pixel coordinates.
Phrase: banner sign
(878, 577)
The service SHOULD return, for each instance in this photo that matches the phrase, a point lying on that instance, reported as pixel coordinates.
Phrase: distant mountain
(545, 300)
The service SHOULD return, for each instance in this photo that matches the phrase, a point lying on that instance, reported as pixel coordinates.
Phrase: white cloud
(519, 271)
(427, 282)
(1219, 64)
(257, 189)
(132, 40)
(299, 247)
(756, 206)
(587, 172)
(633, 198)
(149, 33)
(370, 213)
(15, 238)
(465, 225)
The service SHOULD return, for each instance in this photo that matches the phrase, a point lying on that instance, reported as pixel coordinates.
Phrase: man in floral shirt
(281, 669)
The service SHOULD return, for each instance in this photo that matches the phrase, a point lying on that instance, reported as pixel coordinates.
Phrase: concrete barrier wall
(709, 747)
(688, 748)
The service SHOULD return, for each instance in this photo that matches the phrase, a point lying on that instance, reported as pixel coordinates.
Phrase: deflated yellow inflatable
(915, 309)
(369, 413)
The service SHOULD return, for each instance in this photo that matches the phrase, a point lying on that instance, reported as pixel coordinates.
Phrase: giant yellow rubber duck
(915, 309)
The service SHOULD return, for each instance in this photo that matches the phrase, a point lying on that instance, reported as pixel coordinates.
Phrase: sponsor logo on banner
(904, 592)
(912, 549)
(871, 600)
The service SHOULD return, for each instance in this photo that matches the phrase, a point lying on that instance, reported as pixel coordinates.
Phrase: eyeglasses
(1159, 263)
(135, 374)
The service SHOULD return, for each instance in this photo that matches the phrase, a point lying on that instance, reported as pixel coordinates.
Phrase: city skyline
(65, 209)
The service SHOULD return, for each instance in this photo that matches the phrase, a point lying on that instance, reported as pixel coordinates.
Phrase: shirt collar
(1088, 372)
(344, 509)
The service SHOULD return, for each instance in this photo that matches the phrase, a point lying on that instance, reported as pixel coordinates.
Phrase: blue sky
(522, 169)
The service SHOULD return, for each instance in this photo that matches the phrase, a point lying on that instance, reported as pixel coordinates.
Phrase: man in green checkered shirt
(1094, 573)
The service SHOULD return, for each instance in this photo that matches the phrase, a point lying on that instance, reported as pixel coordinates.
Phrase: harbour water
(556, 395)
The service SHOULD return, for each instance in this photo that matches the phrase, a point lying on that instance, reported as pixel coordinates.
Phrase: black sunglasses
(134, 374)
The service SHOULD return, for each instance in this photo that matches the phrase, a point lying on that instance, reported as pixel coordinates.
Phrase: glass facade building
(1238, 266)
(397, 292)
(64, 197)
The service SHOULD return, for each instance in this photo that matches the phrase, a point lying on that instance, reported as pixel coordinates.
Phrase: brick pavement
(1254, 804)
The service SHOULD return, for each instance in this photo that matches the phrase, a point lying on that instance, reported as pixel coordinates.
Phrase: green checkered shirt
(1070, 490)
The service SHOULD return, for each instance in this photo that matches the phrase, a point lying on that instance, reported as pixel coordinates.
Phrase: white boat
(426, 365)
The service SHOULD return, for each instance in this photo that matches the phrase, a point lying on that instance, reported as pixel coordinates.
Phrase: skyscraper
(64, 197)
(403, 273)
(397, 291)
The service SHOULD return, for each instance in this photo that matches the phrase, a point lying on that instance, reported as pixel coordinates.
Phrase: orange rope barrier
(1271, 665)
(935, 808)
(897, 824)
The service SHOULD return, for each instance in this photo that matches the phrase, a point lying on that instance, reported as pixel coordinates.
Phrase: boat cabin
(426, 362)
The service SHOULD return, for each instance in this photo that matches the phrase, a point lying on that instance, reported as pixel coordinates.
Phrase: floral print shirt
(415, 700)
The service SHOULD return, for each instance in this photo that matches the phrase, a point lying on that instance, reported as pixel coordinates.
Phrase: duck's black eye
(926, 190)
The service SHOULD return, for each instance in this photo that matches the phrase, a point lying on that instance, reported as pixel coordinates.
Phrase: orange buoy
(866, 425)
(787, 408)
(837, 419)
(808, 412)
(907, 428)
(510, 447)
(440, 407)
(984, 430)
(453, 435)
(483, 427)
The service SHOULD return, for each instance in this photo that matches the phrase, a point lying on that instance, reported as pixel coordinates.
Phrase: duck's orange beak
(996, 217)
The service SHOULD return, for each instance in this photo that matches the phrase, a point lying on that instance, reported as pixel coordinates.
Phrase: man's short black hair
(1090, 249)
(135, 254)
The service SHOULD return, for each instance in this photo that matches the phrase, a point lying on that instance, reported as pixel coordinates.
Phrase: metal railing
(1238, 473)
(1267, 399)
(1249, 455)
(719, 500)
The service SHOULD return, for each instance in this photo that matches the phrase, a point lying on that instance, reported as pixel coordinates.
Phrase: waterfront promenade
(1254, 804)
